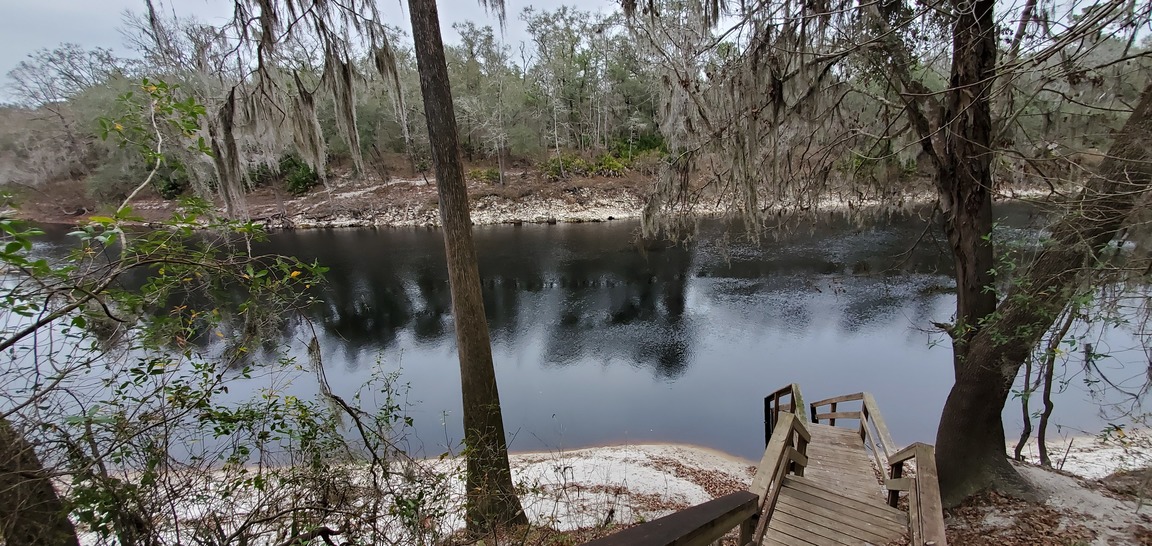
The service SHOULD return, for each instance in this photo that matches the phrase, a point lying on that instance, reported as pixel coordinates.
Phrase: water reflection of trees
(592, 294)
(566, 295)
(590, 291)
(624, 304)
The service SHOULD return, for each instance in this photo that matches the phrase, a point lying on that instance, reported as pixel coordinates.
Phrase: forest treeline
(577, 97)
(584, 93)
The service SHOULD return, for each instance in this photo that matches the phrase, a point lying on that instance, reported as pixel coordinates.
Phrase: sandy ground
(591, 492)
(1094, 457)
(1076, 507)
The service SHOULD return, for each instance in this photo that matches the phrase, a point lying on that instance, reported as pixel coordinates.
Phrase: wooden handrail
(696, 526)
(925, 509)
(775, 405)
(787, 452)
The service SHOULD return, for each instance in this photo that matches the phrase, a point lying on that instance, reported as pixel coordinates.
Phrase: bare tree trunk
(31, 513)
(492, 500)
(964, 177)
(1025, 394)
(1048, 371)
(970, 440)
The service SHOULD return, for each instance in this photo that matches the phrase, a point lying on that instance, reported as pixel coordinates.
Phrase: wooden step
(809, 514)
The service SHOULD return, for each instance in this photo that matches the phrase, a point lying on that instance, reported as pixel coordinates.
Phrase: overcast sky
(29, 25)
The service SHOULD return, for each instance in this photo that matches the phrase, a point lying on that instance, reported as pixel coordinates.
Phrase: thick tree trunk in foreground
(492, 500)
(970, 448)
(964, 173)
(31, 513)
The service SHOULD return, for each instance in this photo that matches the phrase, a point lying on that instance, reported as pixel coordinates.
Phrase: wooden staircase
(817, 484)
(838, 500)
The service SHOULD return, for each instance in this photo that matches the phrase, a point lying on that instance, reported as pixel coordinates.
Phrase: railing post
(768, 423)
(897, 472)
(747, 527)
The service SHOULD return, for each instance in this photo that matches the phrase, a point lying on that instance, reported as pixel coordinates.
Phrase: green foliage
(629, 147)
(262, 174)
(298, 176)
(144, 118)
(563, 166)
(171, 180)
(648, 163)
(609, 166)
(487, 176)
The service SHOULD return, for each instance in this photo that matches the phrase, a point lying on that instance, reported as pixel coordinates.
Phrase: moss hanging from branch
(226, 157)
(306, 132)
(339, 77)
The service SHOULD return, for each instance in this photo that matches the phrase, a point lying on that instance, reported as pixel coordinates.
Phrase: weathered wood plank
(777, 538)
(839, 415)
(838, 399)
(782, 527)
(770, 460)
(699, 525)
(873, 412)
(802, 485)
(831, 530)
(931, 510)
(843, 523)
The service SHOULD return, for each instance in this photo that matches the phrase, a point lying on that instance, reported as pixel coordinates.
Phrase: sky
(29, 25)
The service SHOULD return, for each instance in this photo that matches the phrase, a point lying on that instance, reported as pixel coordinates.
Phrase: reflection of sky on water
(598, 341)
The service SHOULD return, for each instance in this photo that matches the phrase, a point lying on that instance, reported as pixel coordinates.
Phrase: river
(598, 340)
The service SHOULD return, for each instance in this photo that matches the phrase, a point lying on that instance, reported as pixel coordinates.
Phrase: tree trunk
(31, 513)
(964, 177)
(491, 497)
(970, 445)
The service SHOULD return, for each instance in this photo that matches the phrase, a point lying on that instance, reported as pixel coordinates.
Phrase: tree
(492, 500)
(31, 512)
(55, 82)
(970, 441)
(755, 114)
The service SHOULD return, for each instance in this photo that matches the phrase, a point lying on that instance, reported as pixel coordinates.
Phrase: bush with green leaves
(145, 416)
(262, 174)
(629, 148)
(563, 166)
(298, 176)
(609, 166)
(487, 176)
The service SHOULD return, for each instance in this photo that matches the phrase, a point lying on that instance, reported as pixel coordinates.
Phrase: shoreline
(413, 203)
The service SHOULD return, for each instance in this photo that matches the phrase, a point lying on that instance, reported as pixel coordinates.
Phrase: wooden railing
(696, 526)
(785, 400)
(750, 510)
(787, 452)
(925, 510)
(873, 430)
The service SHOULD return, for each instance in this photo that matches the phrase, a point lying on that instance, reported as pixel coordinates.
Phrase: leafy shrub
(487, 176)
(564, 166)
(298, 176)
(624, 148)
(262, 175)
(647, 163)
(171, 180)
(609, 166)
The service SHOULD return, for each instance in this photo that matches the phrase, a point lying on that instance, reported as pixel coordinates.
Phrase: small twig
(1066, 451)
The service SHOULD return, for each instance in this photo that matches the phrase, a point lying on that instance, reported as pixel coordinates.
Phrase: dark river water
(600, 341)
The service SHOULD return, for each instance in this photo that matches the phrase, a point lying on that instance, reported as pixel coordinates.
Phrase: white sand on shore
(1094, 457)
(568, 490)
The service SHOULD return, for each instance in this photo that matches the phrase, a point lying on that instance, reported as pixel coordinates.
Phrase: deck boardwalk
(816, 485)
(839, 499)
